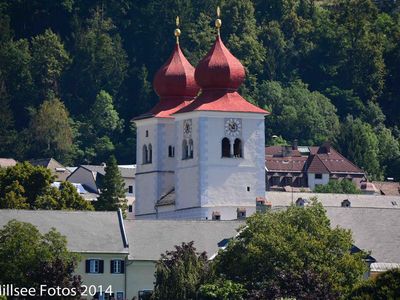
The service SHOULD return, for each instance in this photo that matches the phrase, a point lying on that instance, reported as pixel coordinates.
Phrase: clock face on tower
(187, 128)
(233, 127)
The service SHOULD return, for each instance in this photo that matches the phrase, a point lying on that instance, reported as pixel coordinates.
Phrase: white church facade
(200, 150)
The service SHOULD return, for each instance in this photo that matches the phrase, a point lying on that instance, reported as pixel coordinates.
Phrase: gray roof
(149, 238)
(126, 171)
(86, 231)
(374, 229)
(283, 199)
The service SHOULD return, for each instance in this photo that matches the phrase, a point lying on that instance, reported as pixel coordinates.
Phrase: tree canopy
(292, 253)
(314, 64)
(29, 187)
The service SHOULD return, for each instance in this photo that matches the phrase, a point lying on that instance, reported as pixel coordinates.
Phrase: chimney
(295, 144)
(326, 147)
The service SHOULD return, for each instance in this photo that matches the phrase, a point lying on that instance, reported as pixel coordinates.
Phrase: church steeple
(174, 82)
(220, 74)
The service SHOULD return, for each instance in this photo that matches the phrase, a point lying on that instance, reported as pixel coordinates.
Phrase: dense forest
(74, 73)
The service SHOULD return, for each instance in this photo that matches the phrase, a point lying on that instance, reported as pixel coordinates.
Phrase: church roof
(219, 75)
(174, 83)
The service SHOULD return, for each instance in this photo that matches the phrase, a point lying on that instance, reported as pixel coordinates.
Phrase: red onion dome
(176, 77)
(219, 69)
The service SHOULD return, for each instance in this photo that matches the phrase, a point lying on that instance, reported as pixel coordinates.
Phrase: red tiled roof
(388, 188)
(319, 160)
(221, 100)
(286, 164)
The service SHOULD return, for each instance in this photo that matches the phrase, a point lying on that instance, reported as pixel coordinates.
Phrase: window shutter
(101, 266)
(122, 267)
(88, 266)
(112, 270)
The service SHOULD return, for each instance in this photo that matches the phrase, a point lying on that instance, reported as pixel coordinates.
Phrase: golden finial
(177, 31)
(218, 21)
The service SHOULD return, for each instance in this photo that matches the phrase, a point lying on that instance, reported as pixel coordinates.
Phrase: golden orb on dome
(177, 32)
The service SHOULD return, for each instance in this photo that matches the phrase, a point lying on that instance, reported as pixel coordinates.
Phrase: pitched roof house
(307, 166)
(55, 167)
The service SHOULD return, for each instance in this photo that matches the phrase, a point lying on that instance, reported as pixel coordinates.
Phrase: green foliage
(309, 62)
(29, 258)
(359, 143)
(308, 116)
(385, 286)
(222, 290)
(338, 187)
(50, 129)
(292, 253)
(112, 189)
(49, 60)
(72, 199)
(29, 187)
(180, 273)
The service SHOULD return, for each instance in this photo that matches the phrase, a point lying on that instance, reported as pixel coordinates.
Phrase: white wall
(312, 181)
(140, 276)
(208, 180)
(155, 179)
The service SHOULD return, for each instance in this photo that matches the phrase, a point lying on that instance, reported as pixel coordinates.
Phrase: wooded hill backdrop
(74, 73)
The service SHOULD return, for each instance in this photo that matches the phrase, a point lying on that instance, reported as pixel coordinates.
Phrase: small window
(216, 216)
(226, 147)
(145, 155)
(150, 160)
(117, 266)
(130, 208)
(185, 149)
(171, 151)
(190, 148)
(147, 133)
(237, 148)
(241, 213)
(318, 176)
(248, 189)
(94, 266)
(130, 189)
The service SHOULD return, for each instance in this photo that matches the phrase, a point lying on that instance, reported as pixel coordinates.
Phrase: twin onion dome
(219, 74)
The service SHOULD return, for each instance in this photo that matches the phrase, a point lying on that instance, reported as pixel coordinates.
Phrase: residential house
(388, 187)
(90, 176)
(304, 167)
(58, 170)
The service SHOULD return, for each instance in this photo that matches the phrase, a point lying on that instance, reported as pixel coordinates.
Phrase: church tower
(220, 143)
(176, 87)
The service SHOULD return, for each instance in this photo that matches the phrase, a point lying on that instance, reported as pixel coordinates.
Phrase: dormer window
(216, 216)
(346, 203)
(241, 213)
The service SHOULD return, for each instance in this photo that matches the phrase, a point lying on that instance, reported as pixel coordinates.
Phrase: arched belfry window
(226, 147)
(150, 160)
(184, 149)
(237, 148)
(190, 155)
(145, 155)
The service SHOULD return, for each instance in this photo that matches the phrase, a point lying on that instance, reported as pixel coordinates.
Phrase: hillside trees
(347, 51)
(50, 129)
